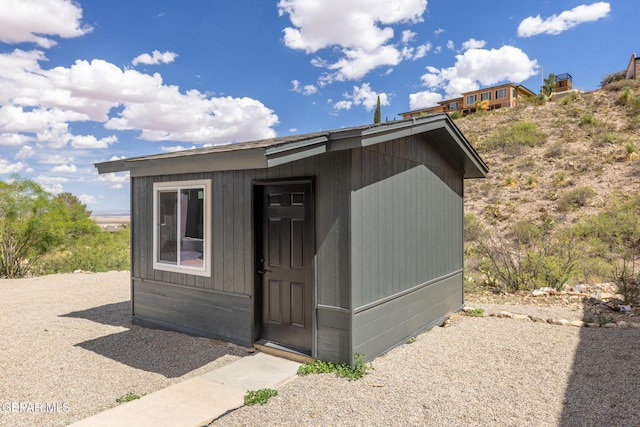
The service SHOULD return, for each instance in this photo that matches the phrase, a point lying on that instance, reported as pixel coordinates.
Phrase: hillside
(557, 161)
(584, 142)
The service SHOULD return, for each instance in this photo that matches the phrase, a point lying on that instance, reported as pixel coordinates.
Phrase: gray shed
(328, 244)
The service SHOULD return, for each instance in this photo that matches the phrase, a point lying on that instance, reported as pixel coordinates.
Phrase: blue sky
(88, 81)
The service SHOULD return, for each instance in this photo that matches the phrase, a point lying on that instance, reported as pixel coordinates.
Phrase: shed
(328, 244)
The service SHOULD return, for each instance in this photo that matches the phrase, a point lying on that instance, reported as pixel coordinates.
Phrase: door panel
(285, 254)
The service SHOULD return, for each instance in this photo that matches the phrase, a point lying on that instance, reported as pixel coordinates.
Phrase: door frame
(257, 194)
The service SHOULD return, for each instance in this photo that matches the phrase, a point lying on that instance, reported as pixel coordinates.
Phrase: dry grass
(586, 145)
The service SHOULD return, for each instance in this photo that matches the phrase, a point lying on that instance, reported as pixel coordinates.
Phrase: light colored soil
(68, 345)
(68, 349)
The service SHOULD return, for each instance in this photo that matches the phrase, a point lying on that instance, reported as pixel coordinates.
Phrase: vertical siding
(406, 231)
(406, 219)
(232, 281)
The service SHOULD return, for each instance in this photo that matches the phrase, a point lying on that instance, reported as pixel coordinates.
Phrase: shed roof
(266, 153)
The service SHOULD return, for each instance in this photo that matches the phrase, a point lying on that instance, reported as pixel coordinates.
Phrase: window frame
(178, 187)
(503, 91)
(475, 99)
(485, 96)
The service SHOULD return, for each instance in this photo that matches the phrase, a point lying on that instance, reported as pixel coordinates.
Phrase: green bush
(344, 370)
(576, 198)
(259, 397)
(103, 251)
(518, 134)
(455, 115)
(534, 254)
(587, 119)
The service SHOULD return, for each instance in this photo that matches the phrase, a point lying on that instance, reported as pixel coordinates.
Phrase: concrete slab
(255, 372)
(198, 401)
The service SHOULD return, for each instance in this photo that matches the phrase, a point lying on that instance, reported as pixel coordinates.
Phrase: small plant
(344, 370)
(127, 397)
(411, 340)
(631, 148)
(455, 115)
(259, 397)
(532, 181)
(576, 198)
(475, 312)
(587, 119)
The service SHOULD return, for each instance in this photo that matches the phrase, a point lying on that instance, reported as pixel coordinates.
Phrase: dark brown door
(284, 265)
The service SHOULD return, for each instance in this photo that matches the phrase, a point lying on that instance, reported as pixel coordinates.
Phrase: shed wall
(407, 243)
(223, 305)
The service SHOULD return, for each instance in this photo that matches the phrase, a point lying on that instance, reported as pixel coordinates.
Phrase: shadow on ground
(605, 382)
(168, 353)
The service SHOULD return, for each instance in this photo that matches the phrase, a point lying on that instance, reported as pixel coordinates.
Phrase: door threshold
(279, 350)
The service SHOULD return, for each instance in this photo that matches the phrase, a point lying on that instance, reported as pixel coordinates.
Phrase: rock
(634, 325)
(537, 319)
(538, 293)
(610, 325)
(579, 289)
(504, 315)
(592, 325)
(467, 308)
(520, 316)
(622, 324)
(577, 323)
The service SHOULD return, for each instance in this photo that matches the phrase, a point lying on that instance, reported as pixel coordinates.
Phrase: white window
(471, 99)
(485, 96)
(453, 106)
(181, 233)
(501, 93)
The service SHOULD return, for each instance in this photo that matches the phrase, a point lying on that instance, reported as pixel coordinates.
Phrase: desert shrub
(103, 251)
(576, 198)
(455, 115)
(472, 228)
(568, 99)
(518, 134)
(614, 236)
(587, 119)
(533, 254)
(555, 151)
(619, 85)
(626, 94)
(609, 79)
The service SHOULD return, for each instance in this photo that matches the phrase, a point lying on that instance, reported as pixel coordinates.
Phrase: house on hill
(326, 244)
(501, 96)
(633, 68)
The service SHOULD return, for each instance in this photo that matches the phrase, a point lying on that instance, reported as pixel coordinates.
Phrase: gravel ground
(476, 372)
(68, 349)
(67, 343)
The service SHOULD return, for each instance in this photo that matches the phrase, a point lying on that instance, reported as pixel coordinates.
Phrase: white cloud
(408, 36)
(422, 50)
(25, 152)
(360, 29)
(64, 169)
(9, 168)
(438, 32)
(174, 148)
(56, 159)
(39, 104)
(473, 44)
(90, 141)
(356, 63)
(155, 58)
(451, 45)
(47, 179)
(477, 67)
(117, 179)
(32, 20)
(305, 90)
(343, 105)
(566, 20)
(362, 95)
(424, 99)
(87, 199)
